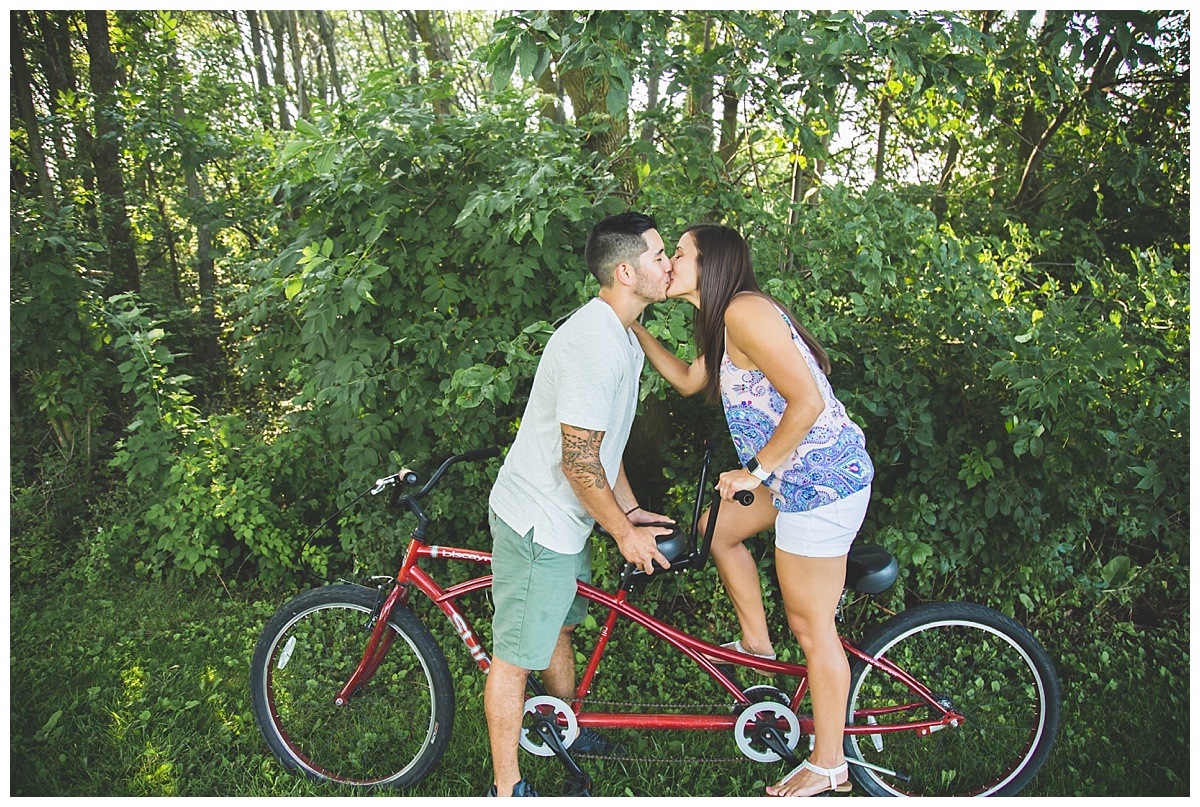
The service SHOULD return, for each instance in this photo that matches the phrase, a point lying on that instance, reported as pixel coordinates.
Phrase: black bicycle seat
(870, 569)
(675, 545)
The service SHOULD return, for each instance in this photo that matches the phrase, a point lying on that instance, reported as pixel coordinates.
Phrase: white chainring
(771, 712)
(532, 742)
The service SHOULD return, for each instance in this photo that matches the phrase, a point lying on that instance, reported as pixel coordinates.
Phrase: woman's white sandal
(737, 645)
(832, 773)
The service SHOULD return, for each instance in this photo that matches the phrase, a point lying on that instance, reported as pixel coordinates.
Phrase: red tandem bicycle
(951, 698)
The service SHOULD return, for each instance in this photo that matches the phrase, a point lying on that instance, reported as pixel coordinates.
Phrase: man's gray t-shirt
(588, 378)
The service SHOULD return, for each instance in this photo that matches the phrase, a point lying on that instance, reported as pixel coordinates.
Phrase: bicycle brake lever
(406, 476)
(380, 484)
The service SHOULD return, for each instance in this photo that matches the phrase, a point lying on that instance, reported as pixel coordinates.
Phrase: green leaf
(304, 127)
(293, 286)
(324, 162)
(502, 70)
(617, 101)
(295, 147)
(1116, 571)
(527, 50)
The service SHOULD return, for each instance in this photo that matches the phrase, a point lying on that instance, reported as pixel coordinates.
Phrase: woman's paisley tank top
(831, 463)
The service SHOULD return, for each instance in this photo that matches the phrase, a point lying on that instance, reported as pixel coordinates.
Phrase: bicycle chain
(659, 760)
(725, 705)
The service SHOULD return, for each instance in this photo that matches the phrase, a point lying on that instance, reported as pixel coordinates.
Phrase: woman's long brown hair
(724, 271)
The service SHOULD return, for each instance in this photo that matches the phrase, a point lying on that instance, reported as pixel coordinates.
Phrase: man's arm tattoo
(581, 456)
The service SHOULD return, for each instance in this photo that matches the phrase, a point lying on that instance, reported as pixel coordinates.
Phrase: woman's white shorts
(825, 532)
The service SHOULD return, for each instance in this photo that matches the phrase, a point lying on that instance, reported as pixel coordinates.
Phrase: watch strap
(756, 470)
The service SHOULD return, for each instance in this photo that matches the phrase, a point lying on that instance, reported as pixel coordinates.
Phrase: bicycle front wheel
(978, 662)
(392, 731)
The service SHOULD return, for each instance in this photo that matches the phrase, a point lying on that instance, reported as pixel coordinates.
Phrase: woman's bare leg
(812, 588)
(737, 568)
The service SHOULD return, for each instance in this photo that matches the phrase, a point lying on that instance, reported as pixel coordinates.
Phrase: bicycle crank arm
(578, 781)
(901, 775)
(770, 737)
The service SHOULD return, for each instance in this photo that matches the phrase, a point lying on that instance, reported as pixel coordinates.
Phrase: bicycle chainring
(757, 716)
(547, 707)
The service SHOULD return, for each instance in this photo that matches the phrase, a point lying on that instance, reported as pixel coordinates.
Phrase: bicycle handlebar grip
(744, 497)
(481, 454)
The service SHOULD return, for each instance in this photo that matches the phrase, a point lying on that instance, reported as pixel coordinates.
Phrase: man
(563, 472)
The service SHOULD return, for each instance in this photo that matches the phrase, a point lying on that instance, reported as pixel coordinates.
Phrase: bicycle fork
(377, 646)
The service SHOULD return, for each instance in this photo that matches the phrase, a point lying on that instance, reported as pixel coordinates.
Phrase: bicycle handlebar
(406, 477)
(470, 456)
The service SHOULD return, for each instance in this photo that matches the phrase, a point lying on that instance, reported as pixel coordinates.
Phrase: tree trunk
(1036, 133)
(729, 121)
(277, 60)
(591, 110)
(414, 54)
(302, 100)
(106, 158)
(940, 205)
(700, 94)
(22, 90)
(653, 79)
(260, 69)
(885, 114)
(589, 100)
(387, 42)
(56, 34)
(436, 53)
(551, 87)
(325, 29)
(168, 232)
(57, 133)
(320, 87)
(366, 34)
(205, 269)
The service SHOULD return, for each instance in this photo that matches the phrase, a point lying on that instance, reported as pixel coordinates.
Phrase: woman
(793, 436)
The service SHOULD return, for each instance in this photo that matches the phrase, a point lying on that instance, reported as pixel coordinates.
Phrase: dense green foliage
(349, 261)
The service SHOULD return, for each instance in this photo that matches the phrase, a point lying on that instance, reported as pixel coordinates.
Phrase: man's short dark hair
(616, 239)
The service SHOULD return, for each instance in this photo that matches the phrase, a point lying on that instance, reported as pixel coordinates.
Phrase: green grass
(141, 690)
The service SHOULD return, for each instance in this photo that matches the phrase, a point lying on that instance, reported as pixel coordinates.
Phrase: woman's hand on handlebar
(732, 482)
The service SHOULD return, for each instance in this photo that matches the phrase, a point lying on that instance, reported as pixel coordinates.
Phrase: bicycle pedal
(577, 787)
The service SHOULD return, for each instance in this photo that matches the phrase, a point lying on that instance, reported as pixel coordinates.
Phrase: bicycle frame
(411, 574)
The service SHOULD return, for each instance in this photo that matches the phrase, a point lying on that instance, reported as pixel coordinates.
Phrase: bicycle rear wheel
(392, 731)
(984, 665)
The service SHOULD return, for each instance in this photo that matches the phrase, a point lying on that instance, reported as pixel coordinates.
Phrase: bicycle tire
(391, 732)
(985, 664)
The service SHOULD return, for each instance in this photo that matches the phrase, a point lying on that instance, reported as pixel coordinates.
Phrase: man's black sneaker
(521, 788)
(592, 743)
